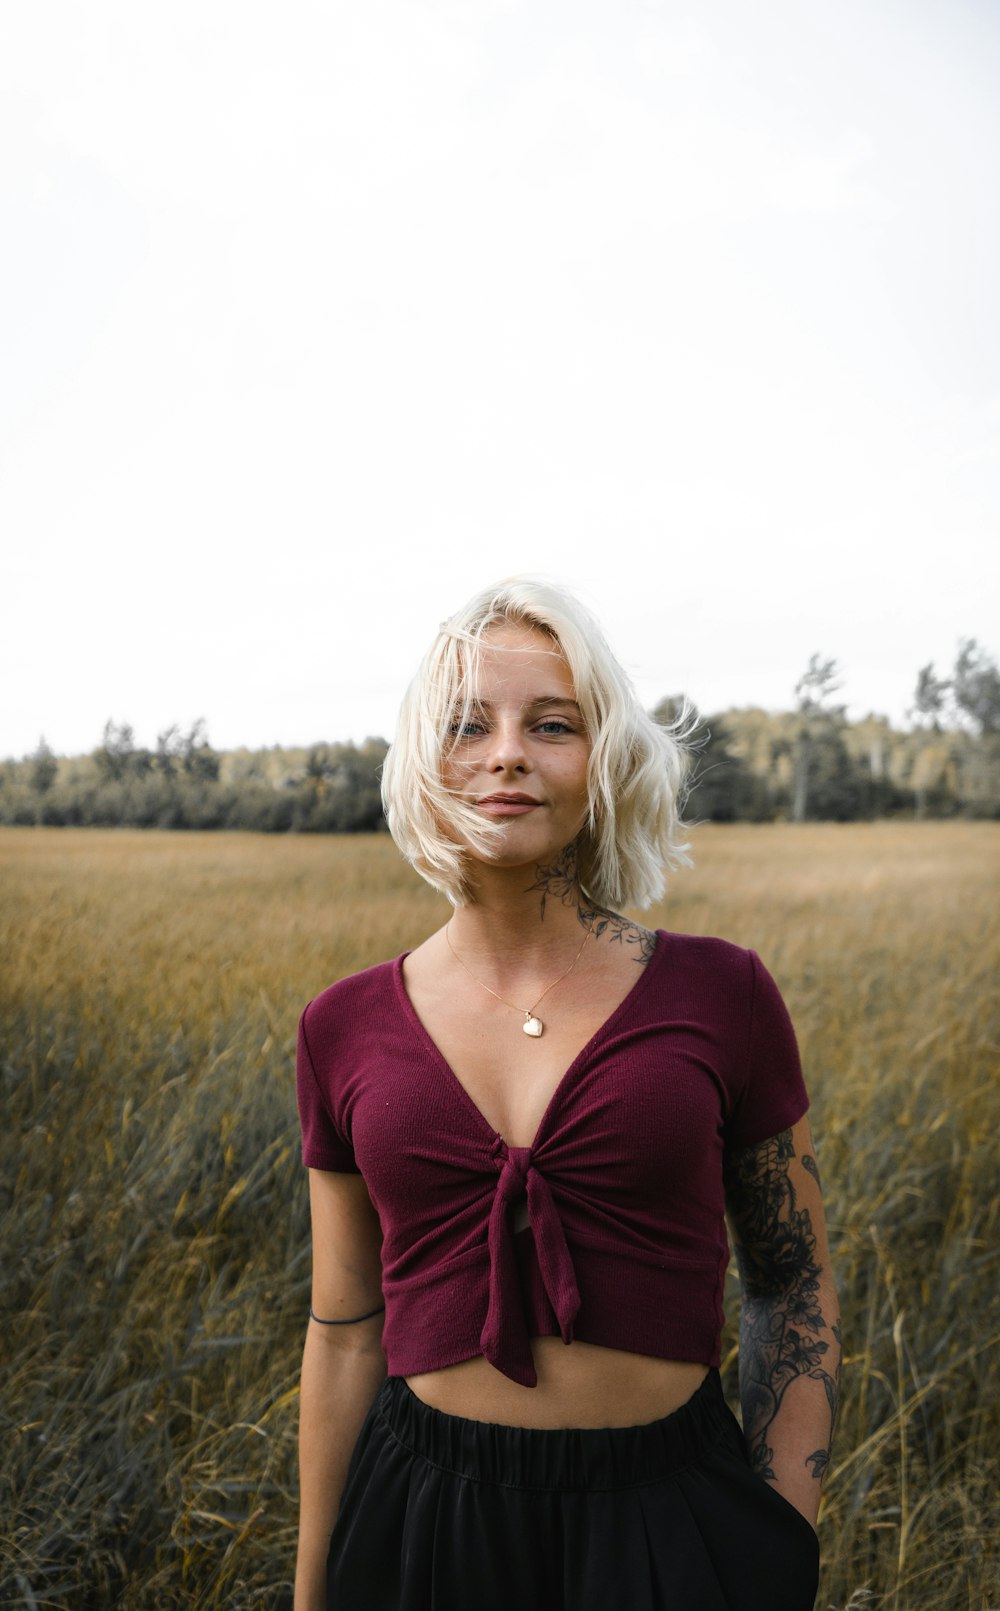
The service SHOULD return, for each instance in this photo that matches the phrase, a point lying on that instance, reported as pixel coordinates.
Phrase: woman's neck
(516, 914)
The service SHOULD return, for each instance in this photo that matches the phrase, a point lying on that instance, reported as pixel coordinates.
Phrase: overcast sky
(320, 317)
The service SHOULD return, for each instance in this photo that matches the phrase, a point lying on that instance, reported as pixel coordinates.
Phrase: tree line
(806, 764)
(185, 783)
(812, 764)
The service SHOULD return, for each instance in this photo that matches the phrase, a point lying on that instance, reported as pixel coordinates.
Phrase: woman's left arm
(790, 1346)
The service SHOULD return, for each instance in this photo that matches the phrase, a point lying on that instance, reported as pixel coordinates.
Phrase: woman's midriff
(579, 1384)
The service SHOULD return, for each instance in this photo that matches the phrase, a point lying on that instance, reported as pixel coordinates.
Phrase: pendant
(532, 1026)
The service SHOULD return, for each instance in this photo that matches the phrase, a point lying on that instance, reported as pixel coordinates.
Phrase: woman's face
(522, 758)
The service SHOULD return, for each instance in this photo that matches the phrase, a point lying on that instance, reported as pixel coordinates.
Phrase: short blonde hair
(636, 775)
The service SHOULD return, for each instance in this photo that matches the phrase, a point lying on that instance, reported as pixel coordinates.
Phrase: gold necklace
(532, 1026)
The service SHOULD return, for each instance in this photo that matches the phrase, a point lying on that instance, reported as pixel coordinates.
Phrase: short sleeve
(773, 1096)
(324, 1145)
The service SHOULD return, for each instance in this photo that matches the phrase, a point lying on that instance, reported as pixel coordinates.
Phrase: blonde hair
(636, 774)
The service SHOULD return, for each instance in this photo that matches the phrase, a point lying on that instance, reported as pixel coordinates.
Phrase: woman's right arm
(342, 1366)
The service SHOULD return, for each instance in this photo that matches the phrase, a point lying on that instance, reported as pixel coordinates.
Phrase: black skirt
(440, 1513)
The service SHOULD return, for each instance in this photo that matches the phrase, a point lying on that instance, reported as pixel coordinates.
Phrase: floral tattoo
(781, 1321)
(561, 882)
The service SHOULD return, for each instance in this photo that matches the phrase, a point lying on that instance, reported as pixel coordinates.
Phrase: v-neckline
(431, 1044)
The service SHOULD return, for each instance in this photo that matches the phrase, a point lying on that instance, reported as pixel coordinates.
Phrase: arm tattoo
(781, 1319)
(560, 881)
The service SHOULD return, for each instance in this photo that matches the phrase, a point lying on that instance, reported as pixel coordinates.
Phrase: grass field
(155, 1227)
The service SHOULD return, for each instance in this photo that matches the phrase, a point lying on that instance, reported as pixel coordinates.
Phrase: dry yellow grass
(155, 1226)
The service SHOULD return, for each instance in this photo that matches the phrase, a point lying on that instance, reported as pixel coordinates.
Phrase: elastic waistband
(556, 1457)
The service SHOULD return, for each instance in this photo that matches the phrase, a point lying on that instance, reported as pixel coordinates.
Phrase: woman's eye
(464, 729)
(556, 724)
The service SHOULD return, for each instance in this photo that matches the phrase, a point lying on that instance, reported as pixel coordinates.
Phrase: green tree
(119, 759)
(816, 722)
(960, 767)
(976, 687)
(168, 749)
(721, 786)
(837, 792)
(116, 751)
(930, 698)
(198, 758)
(340, 790)
(44, 768)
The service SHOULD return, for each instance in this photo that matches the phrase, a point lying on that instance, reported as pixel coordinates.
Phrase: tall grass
(155, 1227)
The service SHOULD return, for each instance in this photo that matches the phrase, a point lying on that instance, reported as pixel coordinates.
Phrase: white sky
(317, 318)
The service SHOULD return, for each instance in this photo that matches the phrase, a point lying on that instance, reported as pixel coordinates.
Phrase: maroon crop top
(626, 1242)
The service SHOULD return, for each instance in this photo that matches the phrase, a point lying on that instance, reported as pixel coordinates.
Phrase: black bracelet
(314, 1316)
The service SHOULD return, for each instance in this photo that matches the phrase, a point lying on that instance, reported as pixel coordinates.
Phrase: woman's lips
(508, 808)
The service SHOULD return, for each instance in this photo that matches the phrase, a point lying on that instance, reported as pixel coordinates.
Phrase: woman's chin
(509, 857)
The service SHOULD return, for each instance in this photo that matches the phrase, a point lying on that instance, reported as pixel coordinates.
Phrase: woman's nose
(507, 750)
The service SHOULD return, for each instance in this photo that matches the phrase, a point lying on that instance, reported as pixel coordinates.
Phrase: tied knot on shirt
(504, 1339)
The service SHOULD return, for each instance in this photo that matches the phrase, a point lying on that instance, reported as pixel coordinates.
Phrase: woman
(524, 1138)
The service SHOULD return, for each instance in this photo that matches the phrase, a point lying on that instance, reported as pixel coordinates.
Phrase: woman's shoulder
(709, 965)
(367, 990)
(707, 950)
(723, 975)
